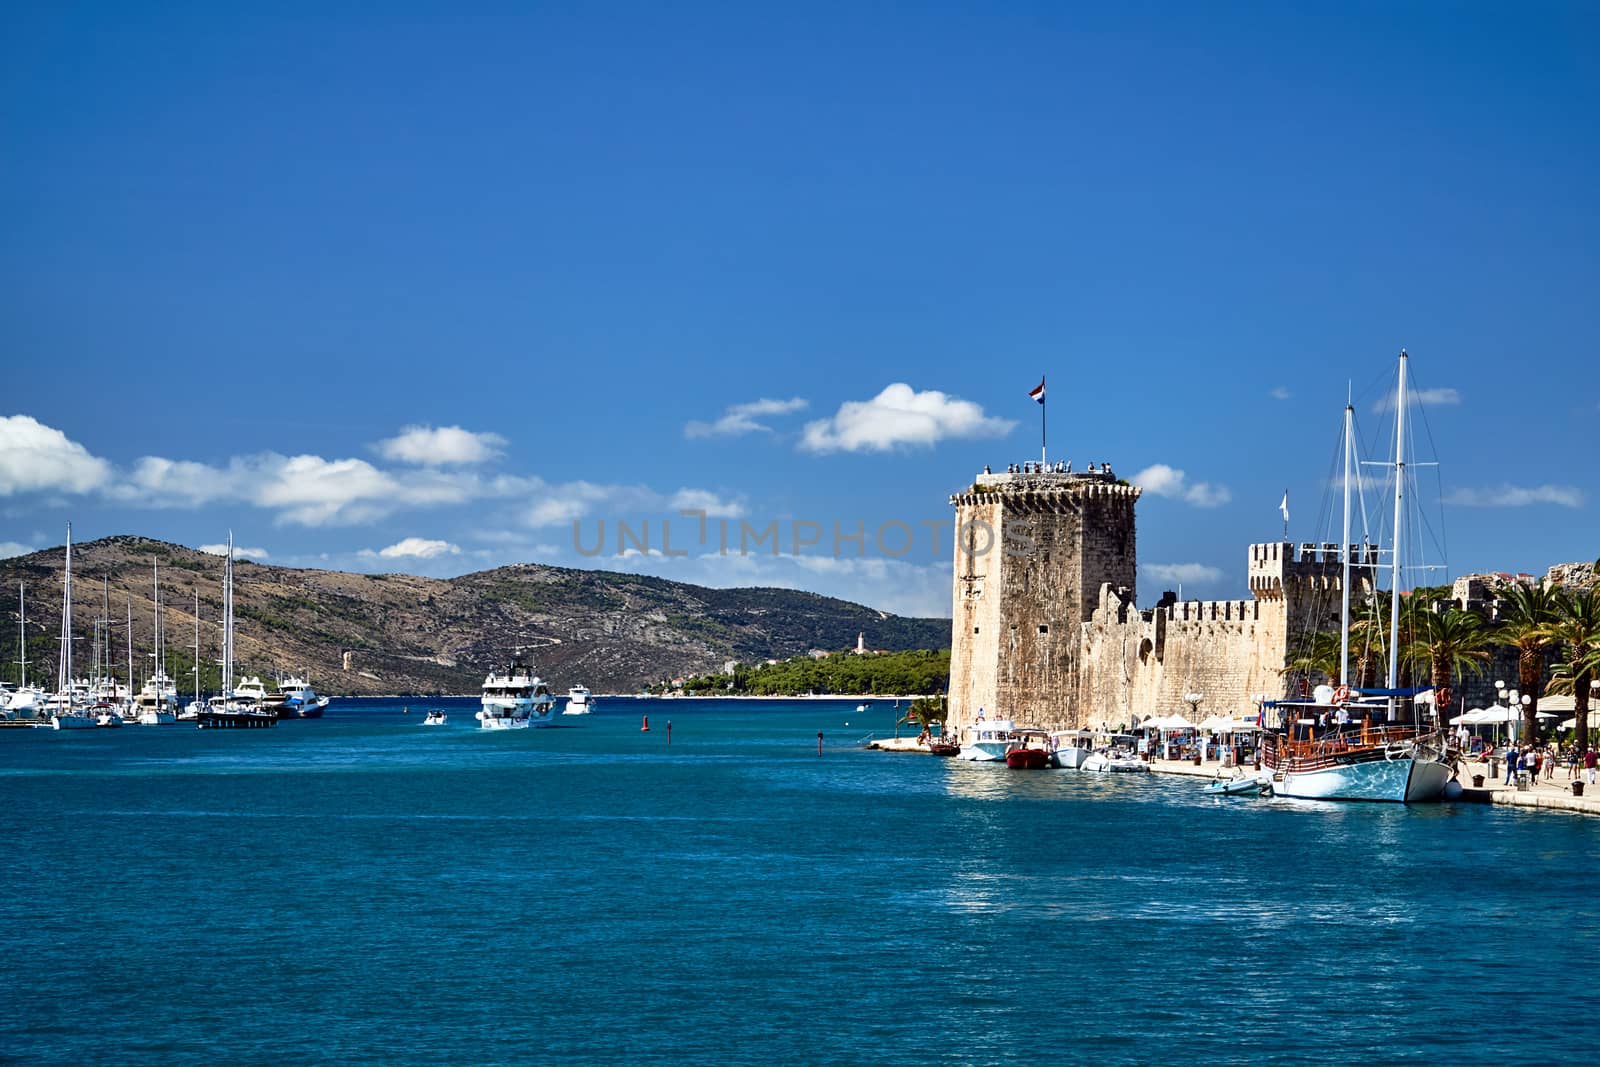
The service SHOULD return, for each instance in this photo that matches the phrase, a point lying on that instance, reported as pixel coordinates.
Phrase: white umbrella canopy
(1217, 723)
(1498, 713)
(1594, 721)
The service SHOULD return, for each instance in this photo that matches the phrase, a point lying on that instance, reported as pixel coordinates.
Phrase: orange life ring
(1341, 694)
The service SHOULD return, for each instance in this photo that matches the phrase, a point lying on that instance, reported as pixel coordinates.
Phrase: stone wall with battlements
(1046, 629)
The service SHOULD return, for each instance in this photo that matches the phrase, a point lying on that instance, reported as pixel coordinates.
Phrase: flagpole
(1041, 426)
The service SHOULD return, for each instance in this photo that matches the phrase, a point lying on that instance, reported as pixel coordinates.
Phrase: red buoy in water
(646, 724)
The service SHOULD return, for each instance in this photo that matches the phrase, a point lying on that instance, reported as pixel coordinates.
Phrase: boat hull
(1029, 759)
(73, 722)
(1403, 780)
(1072, 759)
(984, 752)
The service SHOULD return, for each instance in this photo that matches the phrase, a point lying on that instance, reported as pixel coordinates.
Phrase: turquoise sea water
(362, 889)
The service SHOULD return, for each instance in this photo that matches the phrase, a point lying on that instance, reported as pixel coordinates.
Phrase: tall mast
(227, 623)
(130, 649)
(155, 670)
(105, 612)
(197, 645)
(22, 630)
(1344, 611)
(1399, 505)
(64, 668)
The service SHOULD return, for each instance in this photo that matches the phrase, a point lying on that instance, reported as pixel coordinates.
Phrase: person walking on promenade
(1550, 758)
(1572, 763)
(1513, 764)
(1588, 764)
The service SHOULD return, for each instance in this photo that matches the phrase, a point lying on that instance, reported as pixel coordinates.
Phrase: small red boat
(1028, 750)
(1031, 759)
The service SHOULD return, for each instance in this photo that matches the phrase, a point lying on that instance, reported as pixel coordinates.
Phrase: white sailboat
(158, 700)
(1359, 756)
(65, 706)
(196, 706)
(227, 709)
(25, 700)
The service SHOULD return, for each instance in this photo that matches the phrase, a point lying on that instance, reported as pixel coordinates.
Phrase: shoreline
(1553, 794)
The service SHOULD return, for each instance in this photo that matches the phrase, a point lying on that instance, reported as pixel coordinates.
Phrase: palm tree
(1369, 636)
(1577, 631)
(1526, 612)
(1317, 653)
(1449, 642)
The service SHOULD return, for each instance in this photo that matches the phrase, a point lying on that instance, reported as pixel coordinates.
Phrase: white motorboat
(579, 701)
(1119, 756)
(986, 740)
(435, 718)
(157, 702)
(250, 690)
(515, 698)
(1071, 747)
(297, 700)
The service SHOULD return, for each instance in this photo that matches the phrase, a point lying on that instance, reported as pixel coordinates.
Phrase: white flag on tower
(1284, 507)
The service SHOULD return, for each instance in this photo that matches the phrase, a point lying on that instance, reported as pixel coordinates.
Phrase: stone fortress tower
(1046, 631)
(1032, 552)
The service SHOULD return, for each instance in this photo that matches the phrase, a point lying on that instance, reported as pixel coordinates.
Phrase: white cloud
(741, 418)
(445, 446)
(900, 416)
(1280, 392)
(1432, 398)
(12, 548)
(306, 490)
(1193, 573)
(1162, 480)
(35, 456)
(560, 504)
(419, 548)
(1511, 496)
(238, 552)
(704, 500)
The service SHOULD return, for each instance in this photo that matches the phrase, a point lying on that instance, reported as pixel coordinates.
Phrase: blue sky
(415, 290)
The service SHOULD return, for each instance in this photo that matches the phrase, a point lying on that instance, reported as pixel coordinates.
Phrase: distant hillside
(612, 632)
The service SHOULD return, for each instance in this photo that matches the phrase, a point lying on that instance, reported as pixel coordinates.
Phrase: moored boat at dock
(1028, 750)
(1349, 744)
(986, 740)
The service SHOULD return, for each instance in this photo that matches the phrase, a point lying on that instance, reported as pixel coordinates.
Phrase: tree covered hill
(917, 672)
(389, 633)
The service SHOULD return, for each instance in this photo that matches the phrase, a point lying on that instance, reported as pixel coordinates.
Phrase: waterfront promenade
(1553, 794)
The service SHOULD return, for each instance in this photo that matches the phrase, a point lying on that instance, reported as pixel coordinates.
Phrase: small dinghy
(1240, 786)
(435, 718)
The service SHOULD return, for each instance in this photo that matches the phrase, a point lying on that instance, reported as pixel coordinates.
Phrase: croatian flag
(1038, 394)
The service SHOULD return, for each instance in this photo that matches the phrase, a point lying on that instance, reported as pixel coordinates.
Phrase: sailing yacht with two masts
(1347, 744)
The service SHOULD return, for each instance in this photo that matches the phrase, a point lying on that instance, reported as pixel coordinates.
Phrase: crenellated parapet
(1039, 492)
(1281, 568)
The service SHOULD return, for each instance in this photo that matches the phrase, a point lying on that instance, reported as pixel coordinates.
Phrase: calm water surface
(361, 889)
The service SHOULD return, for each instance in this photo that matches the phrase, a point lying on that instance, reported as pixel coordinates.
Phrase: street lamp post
(1193, 699)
